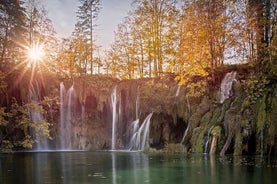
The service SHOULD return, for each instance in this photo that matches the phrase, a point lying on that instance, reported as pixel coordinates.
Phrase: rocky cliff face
(243, 123)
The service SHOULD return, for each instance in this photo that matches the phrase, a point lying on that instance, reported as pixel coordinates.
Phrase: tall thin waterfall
(185, 134)
(62, 115)
(114, 111)
(37, 117)
(140, 138)
(226, 85)
(207, 139)
(66, 117)
(68, 127)
(188, 119)
(178, 91)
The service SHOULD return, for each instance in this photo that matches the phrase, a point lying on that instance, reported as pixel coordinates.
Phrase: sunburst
(36, 53)
(33, 61)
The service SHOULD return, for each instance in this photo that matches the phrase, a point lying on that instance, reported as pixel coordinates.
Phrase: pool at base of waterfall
(134, 168)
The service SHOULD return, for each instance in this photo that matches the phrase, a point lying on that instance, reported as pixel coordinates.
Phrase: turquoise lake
(133, 168)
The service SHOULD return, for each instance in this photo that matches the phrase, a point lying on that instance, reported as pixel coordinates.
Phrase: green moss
(216, 131)
(244, 123)
(199, 143)
(272, 116)
(216, 115)
(6, 147)
(238, 144)
(206, 118)
(273, 70)
(245, 104)
(256, 86)
(174, 148)
(261, 114)
(237, 88)
(197, 140)
(152, 150)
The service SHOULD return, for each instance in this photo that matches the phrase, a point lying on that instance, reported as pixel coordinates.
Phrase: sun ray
(36, 53)
(32, 76)
(32, 63)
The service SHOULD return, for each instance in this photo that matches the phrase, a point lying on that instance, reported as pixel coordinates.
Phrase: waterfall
(37, 117)
(262, 141)
(226, 85)
(140, 139)
(207, 138)
(178, 91)
(189, 112)
(66, 117)
(135, 125)
(68, 127)
(113, 100)
(62, 118)
(133, 131)
(185, 134)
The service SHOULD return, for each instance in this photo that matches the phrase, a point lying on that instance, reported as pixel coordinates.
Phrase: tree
(16, 128)
(263, 14)
(204, 34)
(70, 60)
(158, 19)
(123, 49)
(146, 41)
(40, 31)
(84, 28)
(12, 29)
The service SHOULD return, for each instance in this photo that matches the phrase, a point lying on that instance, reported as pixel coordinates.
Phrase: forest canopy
(182, 37)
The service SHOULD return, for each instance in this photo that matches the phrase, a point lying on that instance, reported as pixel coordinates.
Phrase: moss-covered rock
(261, 114)
(174, 148)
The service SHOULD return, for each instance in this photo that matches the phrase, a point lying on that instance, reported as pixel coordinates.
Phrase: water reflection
(133, 168)
(140, 164)
(113, 168)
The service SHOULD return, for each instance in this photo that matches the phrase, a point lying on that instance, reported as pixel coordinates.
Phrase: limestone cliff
(244, 122)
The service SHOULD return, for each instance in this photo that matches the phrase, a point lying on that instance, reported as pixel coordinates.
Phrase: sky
(63, 15)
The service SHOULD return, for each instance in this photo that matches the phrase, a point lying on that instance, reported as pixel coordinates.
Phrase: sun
(36, 53)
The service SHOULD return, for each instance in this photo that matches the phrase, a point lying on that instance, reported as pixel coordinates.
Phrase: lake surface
(133, 168)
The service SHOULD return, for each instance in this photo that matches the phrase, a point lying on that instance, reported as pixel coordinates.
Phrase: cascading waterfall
(226, 86)
(133, 132)
(135, 125)
(114, 111)
(66, 117)
(207, 139)
(37, 117)
(140, 139)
